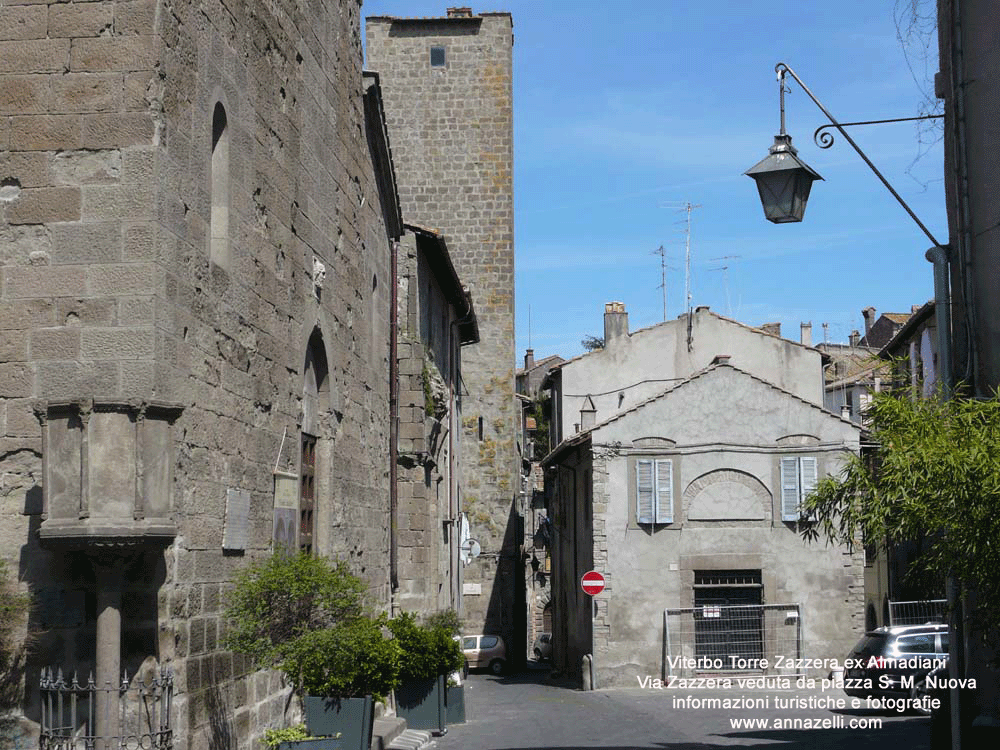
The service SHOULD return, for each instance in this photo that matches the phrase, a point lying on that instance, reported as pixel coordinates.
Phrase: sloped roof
(585, 435)
(681, 317)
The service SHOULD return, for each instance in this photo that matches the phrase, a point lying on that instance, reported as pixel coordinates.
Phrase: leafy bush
(286, 596)
(13, 609)
(427, 651)
(274, 737)
(305, 616)
(345, 661)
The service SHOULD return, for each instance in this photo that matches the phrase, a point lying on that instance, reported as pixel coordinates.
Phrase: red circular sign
(592, 583)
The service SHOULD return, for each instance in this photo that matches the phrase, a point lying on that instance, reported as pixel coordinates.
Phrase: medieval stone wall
(136, 265)
(451, 131)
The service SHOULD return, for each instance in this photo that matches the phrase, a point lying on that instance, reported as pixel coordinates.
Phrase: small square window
(437, 57)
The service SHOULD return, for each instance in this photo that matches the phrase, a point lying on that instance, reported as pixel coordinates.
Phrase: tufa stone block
(44, 205)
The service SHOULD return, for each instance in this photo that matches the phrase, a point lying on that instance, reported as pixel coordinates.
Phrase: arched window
(315, 402)
(219, 230)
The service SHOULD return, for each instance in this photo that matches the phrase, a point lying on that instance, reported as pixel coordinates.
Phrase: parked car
(542, 647)
(925, 647)
(485, 652)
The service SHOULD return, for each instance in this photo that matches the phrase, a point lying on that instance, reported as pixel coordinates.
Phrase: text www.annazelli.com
(829, 722)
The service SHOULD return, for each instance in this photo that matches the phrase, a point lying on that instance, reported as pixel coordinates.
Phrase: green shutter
(790, 489)
(644, 470)
(664, 507)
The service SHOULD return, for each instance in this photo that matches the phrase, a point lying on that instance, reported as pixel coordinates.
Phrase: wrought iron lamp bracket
(825, 139)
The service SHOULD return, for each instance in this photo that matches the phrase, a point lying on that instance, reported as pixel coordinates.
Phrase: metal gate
(731, 638)
(139, 713)
(918, 612)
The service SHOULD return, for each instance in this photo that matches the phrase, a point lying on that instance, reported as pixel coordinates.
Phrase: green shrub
(345, 661)
(13, 654)
(285, 596)
(427, 651)
(274, 737)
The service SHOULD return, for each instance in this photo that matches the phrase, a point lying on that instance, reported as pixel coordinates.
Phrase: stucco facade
(447, 83)
(725, 437)
(195, 313)
(634, 365)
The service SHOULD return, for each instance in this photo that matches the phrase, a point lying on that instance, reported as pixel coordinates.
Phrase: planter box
(421, 703)
(321, 743)
(351, 718)
(454, 703)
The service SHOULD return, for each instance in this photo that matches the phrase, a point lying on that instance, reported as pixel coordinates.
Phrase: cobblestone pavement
(533, 712)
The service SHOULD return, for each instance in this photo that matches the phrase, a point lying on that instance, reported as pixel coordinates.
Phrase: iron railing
(918, 612)
(137, 713)
(732, 638)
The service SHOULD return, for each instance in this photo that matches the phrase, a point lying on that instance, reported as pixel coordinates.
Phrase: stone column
(109, 574)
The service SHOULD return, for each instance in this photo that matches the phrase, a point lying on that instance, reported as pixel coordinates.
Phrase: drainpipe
(942, 314)
(393, 424)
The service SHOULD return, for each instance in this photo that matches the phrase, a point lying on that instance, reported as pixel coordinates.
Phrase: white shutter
(809, 478)
(790, 489)
(664, 508)
(644, 491)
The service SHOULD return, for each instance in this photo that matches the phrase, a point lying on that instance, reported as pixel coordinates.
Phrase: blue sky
(624, 112)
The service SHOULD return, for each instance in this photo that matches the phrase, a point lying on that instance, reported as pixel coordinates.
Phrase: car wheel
(919, 694)
(465, 669)
(496, 666)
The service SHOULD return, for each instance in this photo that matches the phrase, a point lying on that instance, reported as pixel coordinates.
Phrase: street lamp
(782, 178)
(783, 181)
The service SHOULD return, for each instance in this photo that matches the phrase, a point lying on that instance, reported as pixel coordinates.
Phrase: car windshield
(871, 645)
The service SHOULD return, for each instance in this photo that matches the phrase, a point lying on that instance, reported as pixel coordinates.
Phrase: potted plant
(429, 655)
(305, 616)
(297, 738)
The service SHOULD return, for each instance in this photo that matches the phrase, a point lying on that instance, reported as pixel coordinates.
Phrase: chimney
(772, 328)
(720, 359)
(529, 359)
(806, 333)
(845, 411)
(869, 313)
(459, 12)
(854, 338)
(615, 322)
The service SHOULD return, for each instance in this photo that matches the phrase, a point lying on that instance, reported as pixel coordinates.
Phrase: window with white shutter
(654, 491)
(798, 481)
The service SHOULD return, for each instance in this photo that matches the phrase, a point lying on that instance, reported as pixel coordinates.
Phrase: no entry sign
(592, 583)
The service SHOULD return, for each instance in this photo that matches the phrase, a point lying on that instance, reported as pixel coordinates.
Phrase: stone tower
(194, 333)
(448, 99)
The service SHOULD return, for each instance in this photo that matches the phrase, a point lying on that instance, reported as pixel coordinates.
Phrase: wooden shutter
(790, 489)
(808, 473)
(663, 511)
(644, 470)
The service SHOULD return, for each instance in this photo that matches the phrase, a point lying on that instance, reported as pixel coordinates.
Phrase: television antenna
(725, 278)
(663, 276)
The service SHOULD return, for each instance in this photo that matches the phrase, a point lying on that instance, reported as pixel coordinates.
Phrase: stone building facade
(448, 98)
(195, 325)
(436, 320)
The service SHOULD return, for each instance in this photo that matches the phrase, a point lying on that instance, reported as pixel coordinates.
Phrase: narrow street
(532, 712)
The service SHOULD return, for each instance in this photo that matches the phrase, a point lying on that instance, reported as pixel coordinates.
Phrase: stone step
(413, 739)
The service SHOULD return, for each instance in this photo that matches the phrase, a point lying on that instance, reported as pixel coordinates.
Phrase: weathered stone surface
(55, 343)
(28, 168)
(22, 22)
(104, 54)
(43, 205)
(86, 92)
(87, 167)
(98, 242)
(34, 56)
(43, 281)
(21, 95)
(75, 20)
(45, 132)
